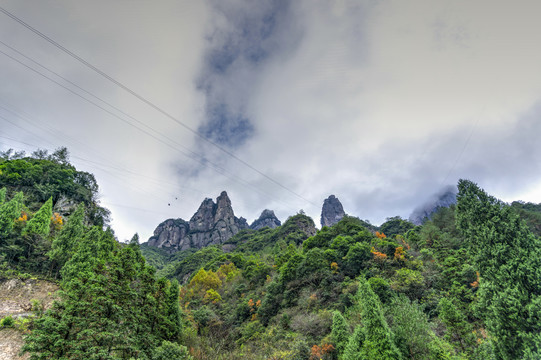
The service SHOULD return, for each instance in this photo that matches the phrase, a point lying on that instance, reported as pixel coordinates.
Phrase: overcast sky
(381, 103)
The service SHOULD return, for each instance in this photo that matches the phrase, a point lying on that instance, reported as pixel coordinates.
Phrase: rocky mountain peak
(332, 211)
(213, 223)
(266, 219)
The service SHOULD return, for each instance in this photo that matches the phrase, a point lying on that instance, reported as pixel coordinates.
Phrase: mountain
(266, 219)
(445, 198)
(332, 211)
(213, 223)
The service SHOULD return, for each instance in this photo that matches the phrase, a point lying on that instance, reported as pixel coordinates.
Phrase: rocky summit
(332, 211)
(266, 219)
(213, 223)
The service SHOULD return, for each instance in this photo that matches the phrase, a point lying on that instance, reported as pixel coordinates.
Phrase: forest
(466, 284)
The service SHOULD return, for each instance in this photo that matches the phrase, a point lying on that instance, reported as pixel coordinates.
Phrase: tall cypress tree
(378, 343)
(508, 257)
(63, 245)
(39, 224)
(339, 332)
(352, 350)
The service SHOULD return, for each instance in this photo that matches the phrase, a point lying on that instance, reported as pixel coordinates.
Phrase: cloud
(373, 101)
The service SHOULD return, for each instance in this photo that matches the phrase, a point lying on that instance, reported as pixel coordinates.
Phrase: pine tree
(508, 257)
(39, 224)
(339, 332)
(9, 211)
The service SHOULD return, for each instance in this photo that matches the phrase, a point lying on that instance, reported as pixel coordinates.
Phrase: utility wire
(194, 156)
(148, 102)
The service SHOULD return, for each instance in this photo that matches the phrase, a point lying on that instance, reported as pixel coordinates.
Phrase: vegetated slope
(347, 291)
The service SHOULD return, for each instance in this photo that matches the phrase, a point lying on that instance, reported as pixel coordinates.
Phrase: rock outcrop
(213, 223)
(332, 211)
(266, 219)
(445, 198)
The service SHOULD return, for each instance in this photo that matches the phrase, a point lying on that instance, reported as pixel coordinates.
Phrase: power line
(148, 102)
(194, 156)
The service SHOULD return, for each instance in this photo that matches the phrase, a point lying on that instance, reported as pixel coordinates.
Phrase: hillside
(350, 290)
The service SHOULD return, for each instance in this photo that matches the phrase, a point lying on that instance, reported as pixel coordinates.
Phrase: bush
(7, 322)
(171, 351)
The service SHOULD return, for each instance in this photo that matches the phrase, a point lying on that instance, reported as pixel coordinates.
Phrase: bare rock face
(332, 211)
(213, 223)
(266, 219)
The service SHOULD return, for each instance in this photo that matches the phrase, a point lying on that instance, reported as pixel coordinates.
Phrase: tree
(9, 211)
(64, 244)
(352, 350)
(39, 223)
(3, 192)
(378, 340)
(112, 306)
(508, 257)
(339, 332)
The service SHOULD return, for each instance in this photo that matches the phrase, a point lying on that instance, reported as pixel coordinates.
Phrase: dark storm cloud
(245, 35)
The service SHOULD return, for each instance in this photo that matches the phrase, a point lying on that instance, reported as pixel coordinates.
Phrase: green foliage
(39, 223)
(508, 257)
(3, 192)
(9, 211)
(352, 351)
(378, 338)
(7, 322)
(64, 244)
(112, 307)
(171, 351)
(395, 226)
(412, 333)
(339, 332)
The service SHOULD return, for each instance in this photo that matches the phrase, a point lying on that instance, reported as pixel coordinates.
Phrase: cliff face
(332, 211)
(212, 224)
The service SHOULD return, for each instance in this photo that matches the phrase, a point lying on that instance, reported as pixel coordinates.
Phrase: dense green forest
(464, 285)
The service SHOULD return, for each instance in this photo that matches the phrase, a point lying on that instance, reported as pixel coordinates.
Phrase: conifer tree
(352, 350)
(339, 332)
(508, 257)
(378, 343)
(39, 224)
(63, 245)
(3, 192)
(9, 211)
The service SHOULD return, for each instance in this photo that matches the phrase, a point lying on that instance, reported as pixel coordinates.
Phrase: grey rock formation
(332, 211)
(445, 198)
(212, 224)
(266, 219)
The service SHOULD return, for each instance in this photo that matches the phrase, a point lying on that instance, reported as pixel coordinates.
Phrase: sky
(280, 103)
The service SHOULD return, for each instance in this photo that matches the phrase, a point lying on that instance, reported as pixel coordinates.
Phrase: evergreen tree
(339, 332)
(352, 350)
(3, 192)
(39, 224)
(378, 340)
(508, 257)
(135, 240)
(9, 211)
(112, 307)
(64, 244)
